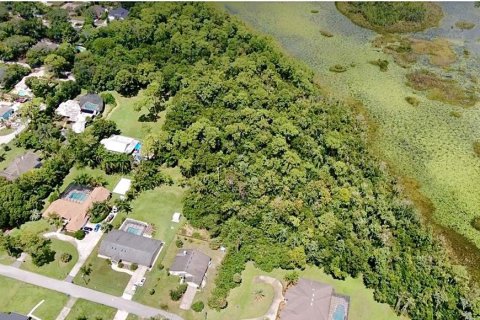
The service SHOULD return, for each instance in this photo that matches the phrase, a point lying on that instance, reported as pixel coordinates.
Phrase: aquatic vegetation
(464, 25)
(382, 64)
(439, 51)
(413, 101)
(476, 223)
(441, 89)
(455, 114)
(314, 11)
(392, 16)
(338, 68)
(476, 148)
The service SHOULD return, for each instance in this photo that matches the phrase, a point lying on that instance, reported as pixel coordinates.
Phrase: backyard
(55, 269)
(90, 310)
(8, 156)
(21, 297)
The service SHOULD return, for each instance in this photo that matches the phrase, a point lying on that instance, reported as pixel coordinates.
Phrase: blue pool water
(339, 313)
(77, 196)
(22, 93)
(134, 230)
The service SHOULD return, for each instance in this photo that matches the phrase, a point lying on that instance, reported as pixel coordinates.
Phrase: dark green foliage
(382, 64)
(66, 257)
(103, 128)
(79, 234)
(476, 223)
(108, 98)
(179, 243)
(99, 211)
(389, 13)
(198, 306)
(13, 74)
(177, 294)
(412, 101)
(14, 47)
(147, 176)
(35, 245)
(133, 266)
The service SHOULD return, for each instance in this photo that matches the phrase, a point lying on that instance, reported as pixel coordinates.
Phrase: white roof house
(122, 186)
(176, 217)
(69, 109)
(79, 125)
(120, 144)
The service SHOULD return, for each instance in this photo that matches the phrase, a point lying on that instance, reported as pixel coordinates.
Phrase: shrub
(151, 292)
(164, 306)
(177, 294)
(198, 306)
(476, 148)
(476, 223)
(79, 234)
(197, 235)
(133, 266)
(338, 68)
(120, 264)
(160, 266)
(237, 278)
(382, 64)
(108, 98)
(455, 114)
(179, 243)
(214, 244)
(413, 101)
(314, 11)
(65, 257)
(6, 148)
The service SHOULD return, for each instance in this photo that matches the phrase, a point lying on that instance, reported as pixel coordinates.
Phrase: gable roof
(118, 13)
(117, 143)
(76, 212)
(20, 165)
(126, 246)
(13, 316)
(193, 262)
(91, 102)
(307, 300)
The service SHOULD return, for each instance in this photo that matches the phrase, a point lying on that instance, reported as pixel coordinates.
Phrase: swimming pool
(134, 230)
(339, 313)
(76, 195)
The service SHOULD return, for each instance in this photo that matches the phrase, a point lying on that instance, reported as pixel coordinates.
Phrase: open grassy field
(55, 269)
(103, 278)
(21, 297)
(423, 142)
(91, 311)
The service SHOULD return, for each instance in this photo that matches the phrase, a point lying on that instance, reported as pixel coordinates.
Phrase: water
(77, 196)
(339, 313)
(135, 231)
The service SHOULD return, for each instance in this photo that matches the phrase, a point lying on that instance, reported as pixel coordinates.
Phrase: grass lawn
(91, 310)
(5, 258)
(55, 269)
(36, 227)
(103, 278)
(111, 180)
(8, 156)
(128, 120)
(362, 305)
(21, 297)
(4, 131)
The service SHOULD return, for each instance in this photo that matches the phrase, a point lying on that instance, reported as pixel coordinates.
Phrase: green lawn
(103, 278)
(36, 227)
(5, 258)
(21, 297)
(111, 180)
(55, 269)
(362, 304)
(8, 156)
(91, 311)
(128, 120)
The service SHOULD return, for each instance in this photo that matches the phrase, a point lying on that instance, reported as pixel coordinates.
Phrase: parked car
(110, 217)
(141, 282)
(87, 229)
(97, 227)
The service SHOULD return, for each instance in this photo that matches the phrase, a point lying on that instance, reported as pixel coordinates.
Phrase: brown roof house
(312, 300)
(191, 265)
(20, 165)
(74, 203)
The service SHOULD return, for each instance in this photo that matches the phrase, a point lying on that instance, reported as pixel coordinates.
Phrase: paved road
(85, 293)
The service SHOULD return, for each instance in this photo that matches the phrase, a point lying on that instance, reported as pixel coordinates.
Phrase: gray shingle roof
(118, 13)
(125, 246)
(193, 262)
(12, 316)
(20, 165)
(307, 300)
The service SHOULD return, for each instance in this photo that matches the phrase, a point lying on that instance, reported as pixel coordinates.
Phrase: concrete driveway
(85, 293)
(84, 248)
(9, 137)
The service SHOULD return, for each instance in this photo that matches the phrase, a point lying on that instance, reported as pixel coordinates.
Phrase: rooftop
(20, 165)
(122, 144)
(193, 262)
(91, 102)
(13, 316)
(121, 245)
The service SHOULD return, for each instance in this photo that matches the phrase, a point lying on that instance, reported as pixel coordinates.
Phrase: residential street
(84, 293)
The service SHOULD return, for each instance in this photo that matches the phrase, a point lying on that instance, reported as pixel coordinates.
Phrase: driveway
(9, 137)
(277, 297)
(85, 293)
(188, 297)
(84, 248)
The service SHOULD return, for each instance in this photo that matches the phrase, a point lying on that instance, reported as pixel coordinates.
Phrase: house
(45, 45)
(91, 104)
(70, 110)
(74, 204)
(121, 144)
(72, 7)
(97, 11)
(117, 14)
(309, 299)
(13, 316)
(191, 265)
(119, 245)
(6, 111)
(20, 165)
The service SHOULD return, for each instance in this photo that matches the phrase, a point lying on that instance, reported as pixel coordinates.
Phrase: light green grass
(91, 311)
(55, 269)
(103, 278)
(5, 258)
(36, 227)
(111, 180)
(21, 298)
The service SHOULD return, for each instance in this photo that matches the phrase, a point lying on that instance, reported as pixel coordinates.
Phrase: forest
(278, 173)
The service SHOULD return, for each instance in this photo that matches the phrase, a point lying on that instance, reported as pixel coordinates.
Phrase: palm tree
(259, 294)
(86, 270)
